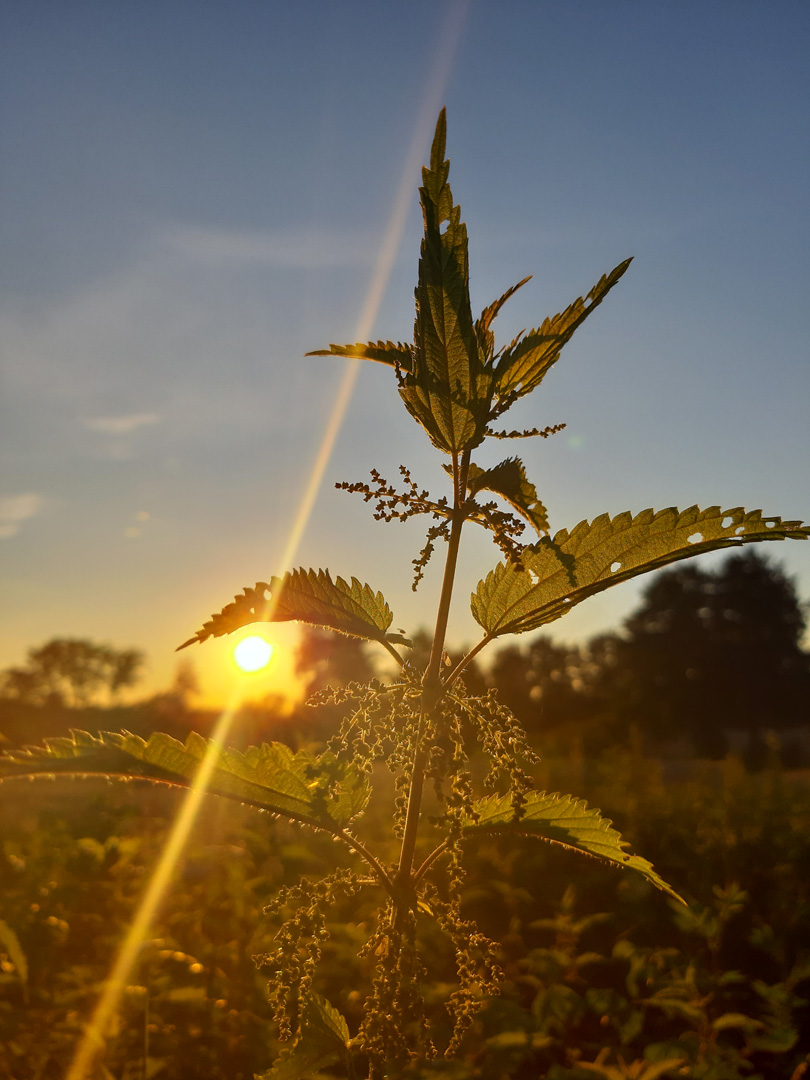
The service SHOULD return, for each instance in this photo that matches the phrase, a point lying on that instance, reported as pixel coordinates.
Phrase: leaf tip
(437, 150)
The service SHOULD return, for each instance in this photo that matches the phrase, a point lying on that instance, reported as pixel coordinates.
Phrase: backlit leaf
(526, 433)
(561, 819)
(300, 786)
(558, 573)
(323, 1040)
(508, 479)
(522, 366)
(384, 352)
(308, 596)
(449, 387)
(486, 339)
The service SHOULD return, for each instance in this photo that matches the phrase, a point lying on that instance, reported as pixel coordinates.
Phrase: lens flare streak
(92, 1041)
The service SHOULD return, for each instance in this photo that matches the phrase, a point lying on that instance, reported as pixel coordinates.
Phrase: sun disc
(252, 653)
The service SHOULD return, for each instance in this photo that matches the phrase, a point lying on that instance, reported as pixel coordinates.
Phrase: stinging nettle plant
(423, 725)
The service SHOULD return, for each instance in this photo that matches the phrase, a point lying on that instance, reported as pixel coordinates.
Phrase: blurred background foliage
(689, 727)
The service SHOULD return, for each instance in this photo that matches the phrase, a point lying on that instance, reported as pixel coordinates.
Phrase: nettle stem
(432, 684)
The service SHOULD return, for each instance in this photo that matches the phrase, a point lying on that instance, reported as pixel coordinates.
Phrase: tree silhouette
(72, 673)
(419, 655)
(709, 651)
(542, 682)
(325, 659)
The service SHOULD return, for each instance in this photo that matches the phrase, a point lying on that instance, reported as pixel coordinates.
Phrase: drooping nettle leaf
(558, 573)
(561, 819)
(306, 596)
(323, 1040)
(395, 354)
(509, 480)
(522, 366)
(300, 786)
(449, 387)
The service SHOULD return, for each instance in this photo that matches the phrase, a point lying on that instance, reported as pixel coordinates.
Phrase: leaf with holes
(317, 791)
(557, 573)
(560, 819)
(307, 596)
(522, 366)
(509, 480)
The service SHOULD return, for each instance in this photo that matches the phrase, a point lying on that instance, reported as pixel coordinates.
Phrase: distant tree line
(706, 652)
(72, 673)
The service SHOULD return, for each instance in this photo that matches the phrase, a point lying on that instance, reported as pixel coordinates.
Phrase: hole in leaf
(533, 577)
(615, 566)
(695, 538)
(726, 522)
(739, 529)
(770, 524)
(567, 600)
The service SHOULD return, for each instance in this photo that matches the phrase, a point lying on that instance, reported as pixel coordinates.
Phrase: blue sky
(195, 194)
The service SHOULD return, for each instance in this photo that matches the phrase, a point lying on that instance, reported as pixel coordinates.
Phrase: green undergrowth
(449, 933)
(604, 974)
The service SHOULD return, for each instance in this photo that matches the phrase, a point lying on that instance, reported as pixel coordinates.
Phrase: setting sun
(252, 653)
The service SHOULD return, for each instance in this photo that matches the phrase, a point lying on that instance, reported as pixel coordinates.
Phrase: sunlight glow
(92, 1041)
(252, 653)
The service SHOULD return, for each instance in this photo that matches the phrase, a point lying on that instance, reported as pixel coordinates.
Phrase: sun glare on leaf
(252, 653)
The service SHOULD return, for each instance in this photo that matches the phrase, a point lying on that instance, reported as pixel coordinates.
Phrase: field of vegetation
(463, 946)
(715, 990)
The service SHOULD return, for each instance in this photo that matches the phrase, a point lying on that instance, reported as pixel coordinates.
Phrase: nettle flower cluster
(423, 725)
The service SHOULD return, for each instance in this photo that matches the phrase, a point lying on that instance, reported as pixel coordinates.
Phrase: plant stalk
(432, 686)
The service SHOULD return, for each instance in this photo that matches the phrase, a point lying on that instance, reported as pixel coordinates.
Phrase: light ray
(93, 1039)
(442, 66)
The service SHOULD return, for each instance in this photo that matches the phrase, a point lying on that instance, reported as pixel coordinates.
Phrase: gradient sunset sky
(196, 194)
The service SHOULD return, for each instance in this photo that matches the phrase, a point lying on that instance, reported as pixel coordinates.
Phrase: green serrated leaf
(558, 573)
(443, 378)
(486, 339)
(561, 819)
(449, 387)
(509, 480)
(451, 374)
(322, 1019)
(522, 366)
(395, 354)
(323, 1040)
(306, 596)
(299, 786)
(525, 433)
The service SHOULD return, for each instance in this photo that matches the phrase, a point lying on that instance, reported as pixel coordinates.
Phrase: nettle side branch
(424, 725)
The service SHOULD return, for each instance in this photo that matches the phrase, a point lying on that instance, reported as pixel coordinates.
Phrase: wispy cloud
(15, 509)
(122, 425)
(309, 248)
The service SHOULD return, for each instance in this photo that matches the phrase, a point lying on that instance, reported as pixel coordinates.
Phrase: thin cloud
(122, 425)
(308, 249)
(15, 509)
